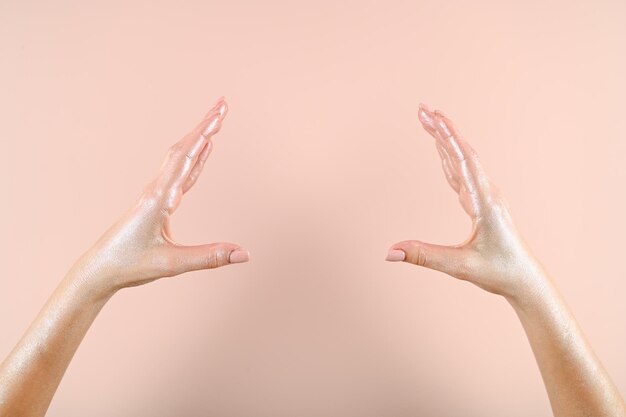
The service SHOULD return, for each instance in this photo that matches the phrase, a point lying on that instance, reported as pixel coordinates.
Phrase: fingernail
(425, 116)
(212, 126)
(218, 103)
(238, 256)
(395, 255)
(223, 109)
(425, 107)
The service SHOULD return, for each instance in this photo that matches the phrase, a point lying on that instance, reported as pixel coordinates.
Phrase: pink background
(320, 167)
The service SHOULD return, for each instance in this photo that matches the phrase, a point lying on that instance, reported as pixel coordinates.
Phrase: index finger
(183, 154)
(194, 141)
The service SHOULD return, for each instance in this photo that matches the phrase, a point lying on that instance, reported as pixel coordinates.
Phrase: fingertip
(425, 107)
(216, 108)
(424, 115)
(223, 108)
(395, 255)
(239, 256)
(427, 121)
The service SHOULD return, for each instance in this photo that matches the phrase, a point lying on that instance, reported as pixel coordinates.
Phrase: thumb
(446, 259)
(213, 255)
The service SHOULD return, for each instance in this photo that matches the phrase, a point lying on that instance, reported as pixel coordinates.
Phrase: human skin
(496, 258)
(136, 250)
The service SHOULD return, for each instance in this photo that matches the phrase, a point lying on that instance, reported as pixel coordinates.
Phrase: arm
(136, 250)
(496, 258)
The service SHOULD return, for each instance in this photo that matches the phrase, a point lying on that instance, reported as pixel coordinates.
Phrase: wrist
(533, 291)
(86, 285)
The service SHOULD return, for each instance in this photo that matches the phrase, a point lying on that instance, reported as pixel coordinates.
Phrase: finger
(176, 168)
(448, 169)
(192, 144)
(184, 152)
(220, 106)
(428, 123)
(192, 258)
(465, 198)
(450, 176)
(462, 157)
(442, 129)
(183, 155)
(451, 138)
(441, 258)
(468, 202)
(197, 169)
(194, 141)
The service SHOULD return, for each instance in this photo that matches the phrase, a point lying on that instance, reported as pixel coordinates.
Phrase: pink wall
(321, 165)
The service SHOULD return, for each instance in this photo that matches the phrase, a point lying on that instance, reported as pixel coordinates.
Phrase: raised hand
(139, 248)
(494, 256)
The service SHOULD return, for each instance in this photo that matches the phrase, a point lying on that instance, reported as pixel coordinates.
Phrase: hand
(494, 257)
(139, 247)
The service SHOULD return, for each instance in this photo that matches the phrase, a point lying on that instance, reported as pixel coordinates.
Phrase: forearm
(576, 382)
(137, 249)
(31, 373)
(496, 258)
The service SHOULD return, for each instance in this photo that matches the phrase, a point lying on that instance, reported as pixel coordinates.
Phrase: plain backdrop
(321, 165)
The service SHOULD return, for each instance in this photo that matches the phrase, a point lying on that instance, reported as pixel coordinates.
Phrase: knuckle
(151, 197)
(496, 203)
(154, 199)
(419, 254)
(216, 259)
(148, 202)
(210, 261)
